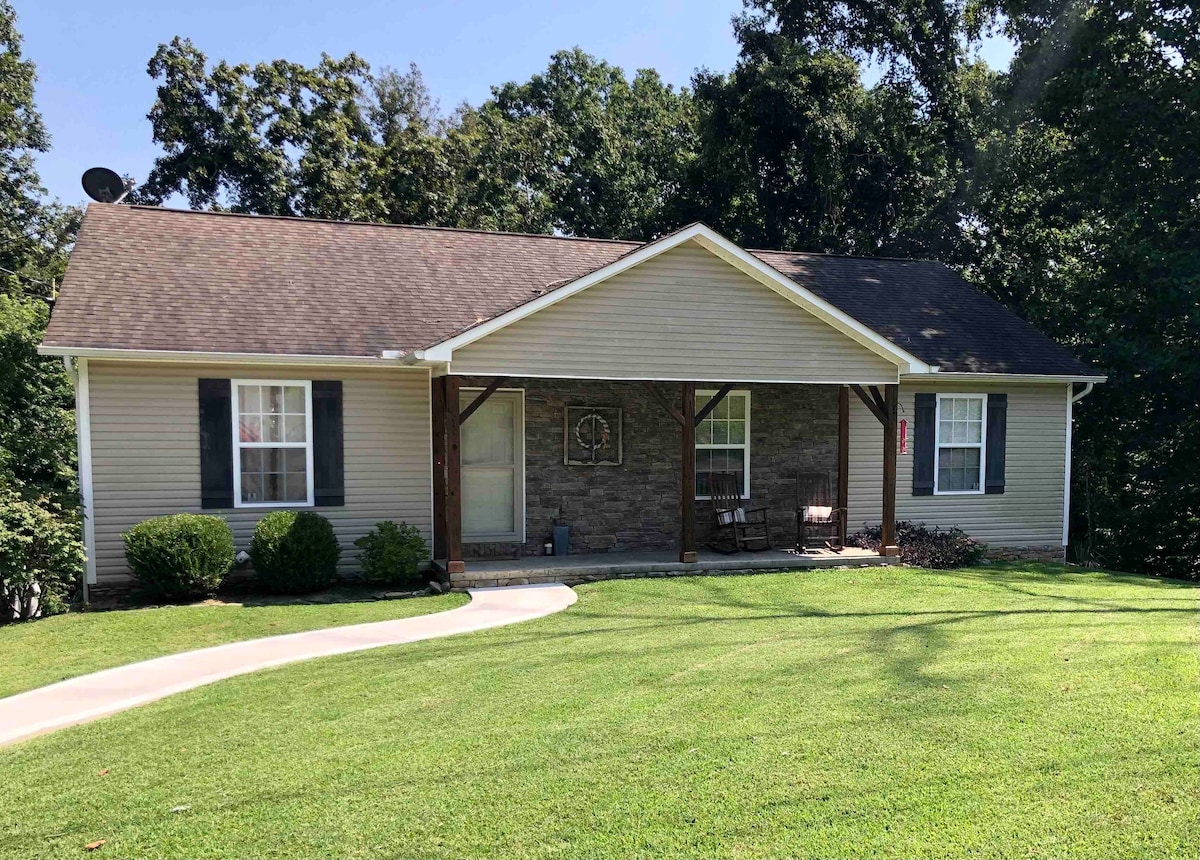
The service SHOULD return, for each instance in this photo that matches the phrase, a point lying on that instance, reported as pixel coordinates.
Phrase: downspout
(1072, 399)
(77, 370)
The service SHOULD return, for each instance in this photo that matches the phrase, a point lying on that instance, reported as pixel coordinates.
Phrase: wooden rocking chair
(745, 529)
(816, 516)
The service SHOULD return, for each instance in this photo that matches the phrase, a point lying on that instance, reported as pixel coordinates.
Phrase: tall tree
(412, 177)
(277, 138)
(1087, 222)
(37, 431)
(32, 235)
(795, 152)
(925, 47)
(582, 149)
(577, 149)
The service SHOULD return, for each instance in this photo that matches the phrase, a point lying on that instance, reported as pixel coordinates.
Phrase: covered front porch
(644, 509)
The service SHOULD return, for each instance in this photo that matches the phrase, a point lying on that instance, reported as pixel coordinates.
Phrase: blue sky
(94, 93)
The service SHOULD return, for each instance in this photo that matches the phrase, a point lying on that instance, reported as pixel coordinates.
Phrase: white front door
(493, 468)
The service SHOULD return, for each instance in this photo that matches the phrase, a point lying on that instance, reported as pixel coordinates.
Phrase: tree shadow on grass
(907, 662)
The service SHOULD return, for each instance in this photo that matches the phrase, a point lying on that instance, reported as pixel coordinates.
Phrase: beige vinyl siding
(684, 314)
(146, 450)
(1028, 513)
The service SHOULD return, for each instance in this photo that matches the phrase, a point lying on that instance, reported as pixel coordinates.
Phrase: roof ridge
(848, 256)
(307, 220)
(481, 232)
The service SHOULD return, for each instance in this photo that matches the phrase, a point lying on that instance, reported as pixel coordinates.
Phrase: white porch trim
(83, 440)
(999, 377)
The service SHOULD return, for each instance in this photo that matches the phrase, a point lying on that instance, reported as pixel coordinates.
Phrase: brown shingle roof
(159, 279)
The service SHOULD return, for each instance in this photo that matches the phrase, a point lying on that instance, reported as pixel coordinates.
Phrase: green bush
(390, 554)
(180, 556)
(41, 557)
(294, 552)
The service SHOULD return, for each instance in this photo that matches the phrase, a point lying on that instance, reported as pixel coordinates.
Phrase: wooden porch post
(437, 406)
(843, 492)
(891, 405)
(687, 472)
(454, 559)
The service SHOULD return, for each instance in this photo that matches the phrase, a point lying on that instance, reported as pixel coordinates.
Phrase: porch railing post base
(890, 551)
(689, 557)
(453, 567)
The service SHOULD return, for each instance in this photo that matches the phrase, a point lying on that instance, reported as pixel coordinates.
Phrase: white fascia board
(421, 357)
(219, 357)
(720, 246)
(998, 377)
(716, 380)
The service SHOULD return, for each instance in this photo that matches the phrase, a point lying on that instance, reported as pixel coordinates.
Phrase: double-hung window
(272, 443)
(961, 434)
(723, 441)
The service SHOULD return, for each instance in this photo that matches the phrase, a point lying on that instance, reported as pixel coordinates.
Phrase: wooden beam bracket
(876, 409)
(878, 397)
(714, 402)
(481, 398)
(663, 402)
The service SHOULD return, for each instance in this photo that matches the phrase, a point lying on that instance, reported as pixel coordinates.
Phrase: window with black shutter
(271, 443)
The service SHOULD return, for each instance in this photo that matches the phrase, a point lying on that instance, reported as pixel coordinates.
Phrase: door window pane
(488, 501)
(490, 477)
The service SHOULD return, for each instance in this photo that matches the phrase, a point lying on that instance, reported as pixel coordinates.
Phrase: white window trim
(238, 444)
(745, 392)
(981, 444)
(518, 536)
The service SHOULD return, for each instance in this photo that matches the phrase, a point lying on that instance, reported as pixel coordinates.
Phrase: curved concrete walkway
(89, 697)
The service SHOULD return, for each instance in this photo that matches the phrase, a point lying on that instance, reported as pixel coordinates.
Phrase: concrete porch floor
(571, 569)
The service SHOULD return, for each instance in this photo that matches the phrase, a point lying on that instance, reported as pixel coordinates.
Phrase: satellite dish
(105, 186)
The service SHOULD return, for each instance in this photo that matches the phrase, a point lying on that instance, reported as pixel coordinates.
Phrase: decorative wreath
(593, 444)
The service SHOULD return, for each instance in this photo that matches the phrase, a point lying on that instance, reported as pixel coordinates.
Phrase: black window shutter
(328, 455)
(997, 421)
(924, 418)
(216, 444)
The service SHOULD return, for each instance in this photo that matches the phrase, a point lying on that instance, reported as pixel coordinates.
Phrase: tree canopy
(37, 427)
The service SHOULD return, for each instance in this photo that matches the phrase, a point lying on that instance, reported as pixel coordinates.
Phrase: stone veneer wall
(1049, 552)
(635, 506)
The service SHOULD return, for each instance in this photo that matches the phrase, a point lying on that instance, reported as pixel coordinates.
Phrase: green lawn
(996, 712)
(64, 646)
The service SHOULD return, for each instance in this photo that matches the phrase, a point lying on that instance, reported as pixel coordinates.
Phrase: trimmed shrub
(41, 557)
(390, 554)
(180, 556)
(922, 546)
(294, 552)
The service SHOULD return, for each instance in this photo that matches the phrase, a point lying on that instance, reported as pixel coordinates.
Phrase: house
(483, 385)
